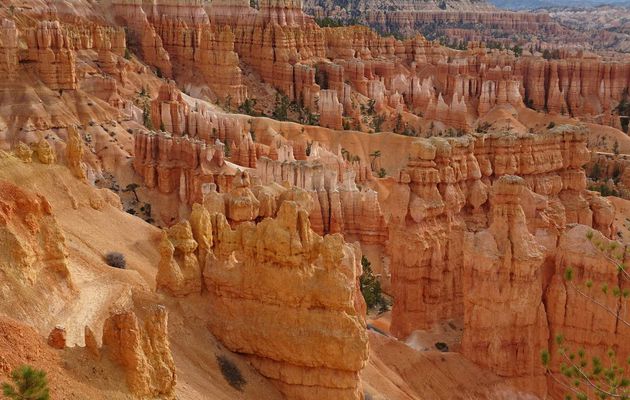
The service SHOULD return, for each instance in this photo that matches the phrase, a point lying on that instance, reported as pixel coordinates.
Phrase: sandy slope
(91, 233)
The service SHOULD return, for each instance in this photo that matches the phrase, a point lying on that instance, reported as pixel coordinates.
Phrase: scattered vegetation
(382, 173)
(443, 347)
(483, 128)
(377, 123)
(247, 107)
(231, 373)
(281, 110)
(328, 22)
(228, 150)
(28, 383)
(116, 260)
(551, 54)
(371, 288)
(583, 376)
(551, 125)
(375, 155)
(604, 190)
(623, 109)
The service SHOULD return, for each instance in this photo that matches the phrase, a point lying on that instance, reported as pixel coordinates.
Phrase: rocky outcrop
(182, 166)
(49, 47)
(74, 153)
(142, 350)
(144, 36)
(8, 49)
(504, 317)
(45, 152)
(281, 267)
(331, 111)
(179, 272)
(34, 246)
(444, 192)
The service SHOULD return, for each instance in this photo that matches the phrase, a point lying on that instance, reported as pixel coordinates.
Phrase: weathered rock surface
(504, 316)
(33, 244)
(179, 272)
(142, 350)
(444, 192)
(586, 317)
(281, 267)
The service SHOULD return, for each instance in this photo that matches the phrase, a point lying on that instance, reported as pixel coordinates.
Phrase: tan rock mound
(142, 350)
(277, 278)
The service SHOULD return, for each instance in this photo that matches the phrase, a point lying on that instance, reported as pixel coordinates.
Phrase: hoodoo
(305, 199)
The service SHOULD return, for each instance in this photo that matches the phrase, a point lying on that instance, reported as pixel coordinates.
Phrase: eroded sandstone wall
(271, 280)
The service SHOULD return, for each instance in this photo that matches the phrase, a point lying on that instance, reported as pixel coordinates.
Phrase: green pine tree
(28, 384)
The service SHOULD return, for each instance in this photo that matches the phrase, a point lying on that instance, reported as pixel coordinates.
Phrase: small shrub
(443, 347)
(231, 373)
(28, 384)
(371, 288)
(116, 260)
(382, 173)
(551, 125)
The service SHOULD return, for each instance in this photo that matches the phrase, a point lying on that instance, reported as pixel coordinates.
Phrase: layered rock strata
(504, 316)
(321, 300)
(142, 349)
(444, 192)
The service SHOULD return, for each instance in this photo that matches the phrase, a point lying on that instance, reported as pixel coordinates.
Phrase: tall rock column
(293, 303)
(505, 323)
(8, 49)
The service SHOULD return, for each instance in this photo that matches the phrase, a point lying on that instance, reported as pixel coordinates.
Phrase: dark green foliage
(377, 123)
(596, 172)
(604, 190)
(376, 154)
(228, 150)
(623, 109)
(443, 347)
(231, 373)
(369, 108)
(28, 384)
(127, 54)
(253, 4)
(371, 287)
(483, 128)
(382, 173)
(328, 22)
(399, 128)
(281, 110)
(116, 260)
(551, 125)
(146, 117)
(247, 107)
(518, 51)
